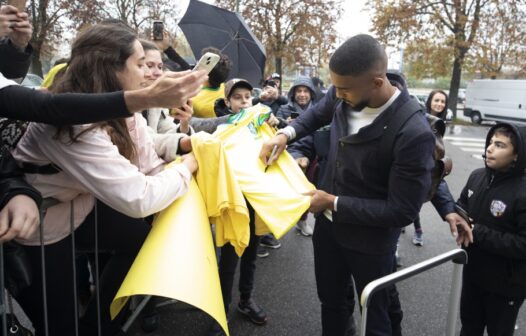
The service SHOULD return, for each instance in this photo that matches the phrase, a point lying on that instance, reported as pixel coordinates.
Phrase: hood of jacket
(302, 81)
(397, 79)
(520, 134)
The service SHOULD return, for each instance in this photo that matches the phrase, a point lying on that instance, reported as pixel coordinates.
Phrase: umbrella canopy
(206, 25)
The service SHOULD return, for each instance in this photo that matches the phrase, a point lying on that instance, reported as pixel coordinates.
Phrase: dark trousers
(228, 264)
(481, 309)
(334, 266)
(120, 235)
(417, 224)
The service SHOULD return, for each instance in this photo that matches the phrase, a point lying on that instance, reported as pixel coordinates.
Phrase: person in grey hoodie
(301, 95)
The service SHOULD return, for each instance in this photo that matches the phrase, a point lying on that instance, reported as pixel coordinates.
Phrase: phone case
(158, 30)
(462, 212)
(20, 4)
(207, 62)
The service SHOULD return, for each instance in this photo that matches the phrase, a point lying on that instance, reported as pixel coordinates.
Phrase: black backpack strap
(395, 123)
(49, 169)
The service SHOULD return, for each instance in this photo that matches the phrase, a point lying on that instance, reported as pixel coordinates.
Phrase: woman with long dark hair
(107, 170)
(436, 105)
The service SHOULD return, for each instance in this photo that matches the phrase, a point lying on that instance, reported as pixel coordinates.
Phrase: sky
(355, 19)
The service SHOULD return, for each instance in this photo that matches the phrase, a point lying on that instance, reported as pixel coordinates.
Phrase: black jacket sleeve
(12, 182)
(303, 148)
(17, 102)
(443, 200)
(14, 63)
(175, 57)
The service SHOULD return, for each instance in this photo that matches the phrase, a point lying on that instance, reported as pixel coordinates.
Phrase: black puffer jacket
(14, 63)
(497, 203)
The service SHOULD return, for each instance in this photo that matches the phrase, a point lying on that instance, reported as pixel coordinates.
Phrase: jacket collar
(377, 127)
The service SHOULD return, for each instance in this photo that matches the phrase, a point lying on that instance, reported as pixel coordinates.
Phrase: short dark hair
(507, 131)
(317, 81)
(220, 72)
(357, 55)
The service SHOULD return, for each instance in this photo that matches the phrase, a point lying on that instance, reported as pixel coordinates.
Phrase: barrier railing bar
(458, 256)
(96, 276)
(3, 306)
(74, 268)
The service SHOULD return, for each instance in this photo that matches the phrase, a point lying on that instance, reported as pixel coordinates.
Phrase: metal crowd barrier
(4, 307)
(136, 306)
(459, 258)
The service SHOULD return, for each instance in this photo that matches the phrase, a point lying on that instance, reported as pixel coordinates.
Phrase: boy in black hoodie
(494, 280)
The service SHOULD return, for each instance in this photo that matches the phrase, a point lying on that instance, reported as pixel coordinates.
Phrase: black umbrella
(205, 25)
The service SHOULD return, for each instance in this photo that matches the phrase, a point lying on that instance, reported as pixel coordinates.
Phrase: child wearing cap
(238, 95)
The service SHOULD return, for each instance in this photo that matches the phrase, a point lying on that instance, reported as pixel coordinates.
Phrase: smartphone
(19, 4)
(294, 115)
(207, 62)
(463, 213)
(158, 30)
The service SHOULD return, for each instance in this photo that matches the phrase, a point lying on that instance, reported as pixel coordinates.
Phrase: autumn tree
(502, 39)
(138, 14)
(452, 24)
(292, 31)
(56, 20)
(425, 59)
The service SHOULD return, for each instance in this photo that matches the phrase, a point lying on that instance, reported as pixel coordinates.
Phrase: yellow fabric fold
(224, 200)
(177, 260)
(231, 169)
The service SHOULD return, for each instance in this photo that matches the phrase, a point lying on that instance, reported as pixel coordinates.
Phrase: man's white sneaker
(304, 228)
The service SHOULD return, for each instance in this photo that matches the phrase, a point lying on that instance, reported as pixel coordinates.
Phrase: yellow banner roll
(178, 260)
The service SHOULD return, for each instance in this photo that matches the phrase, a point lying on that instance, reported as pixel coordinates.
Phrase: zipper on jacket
(490, 181)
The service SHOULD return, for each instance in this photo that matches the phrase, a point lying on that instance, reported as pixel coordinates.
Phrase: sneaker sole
(263, 255)
(420, 244)
(252, 320)
(270, 246)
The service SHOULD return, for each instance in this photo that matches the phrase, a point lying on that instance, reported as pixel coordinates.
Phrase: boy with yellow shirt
(213, 88)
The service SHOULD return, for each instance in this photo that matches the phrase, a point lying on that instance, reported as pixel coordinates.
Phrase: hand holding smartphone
(158, 30)
(207, 62)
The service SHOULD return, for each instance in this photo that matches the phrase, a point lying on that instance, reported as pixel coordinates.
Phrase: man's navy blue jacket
(373, 205)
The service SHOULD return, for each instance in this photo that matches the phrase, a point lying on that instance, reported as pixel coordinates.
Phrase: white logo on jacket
(470, 192)
(497, 208)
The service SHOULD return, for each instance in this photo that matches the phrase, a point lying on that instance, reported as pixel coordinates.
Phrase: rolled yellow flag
(178, 260)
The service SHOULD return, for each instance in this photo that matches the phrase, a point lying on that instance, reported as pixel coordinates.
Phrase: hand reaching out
(460, 229)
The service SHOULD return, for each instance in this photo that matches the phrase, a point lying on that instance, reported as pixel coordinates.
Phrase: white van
(498, 100)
